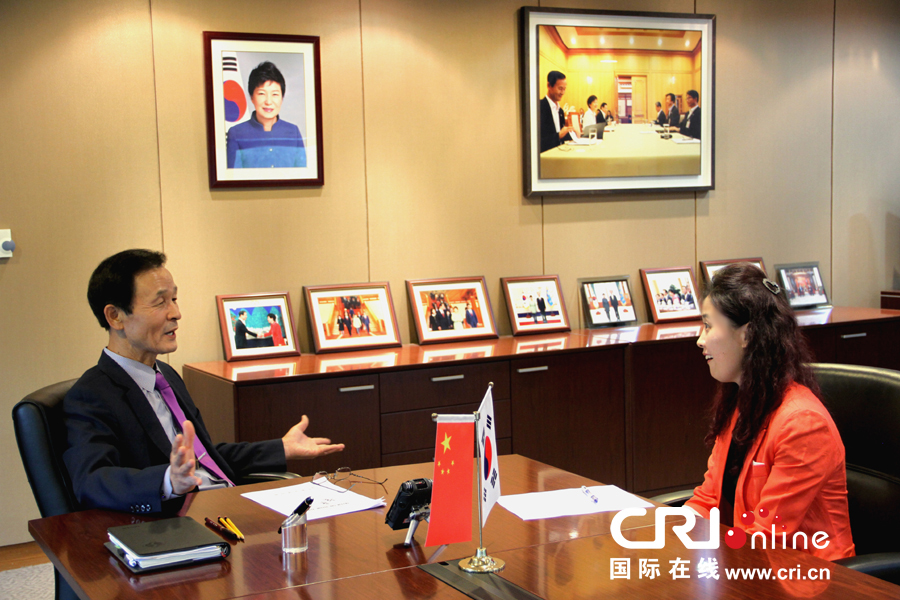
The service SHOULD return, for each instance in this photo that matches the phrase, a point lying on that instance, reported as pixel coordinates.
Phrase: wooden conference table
(627, 151)
(358, 556)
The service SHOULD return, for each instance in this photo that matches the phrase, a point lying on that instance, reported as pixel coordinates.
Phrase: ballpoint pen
(303, 507)
(298, 512)
(590, 494)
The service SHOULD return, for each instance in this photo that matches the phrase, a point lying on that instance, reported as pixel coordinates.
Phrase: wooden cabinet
(409, 398)
(868, 343)
(568, 410)
(633, 413)
(343, 408)
(670, 392)
(889, 345)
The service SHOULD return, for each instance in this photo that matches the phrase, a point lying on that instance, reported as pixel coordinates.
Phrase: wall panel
(866, 242)
(444, 175)
(79, 180)
(773, 163)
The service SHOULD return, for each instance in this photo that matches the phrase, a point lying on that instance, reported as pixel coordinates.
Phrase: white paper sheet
(327, 500)
(563, 503)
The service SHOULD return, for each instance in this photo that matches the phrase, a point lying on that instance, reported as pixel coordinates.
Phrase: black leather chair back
(41, 435)
(865, 405)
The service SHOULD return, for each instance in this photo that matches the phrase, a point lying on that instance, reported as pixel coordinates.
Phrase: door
(638, 98)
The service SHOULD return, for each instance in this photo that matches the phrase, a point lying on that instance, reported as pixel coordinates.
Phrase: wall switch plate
(5, 236)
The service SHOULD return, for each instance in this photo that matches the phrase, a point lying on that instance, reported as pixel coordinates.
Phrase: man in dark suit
(553, 129)
(471, 317)
(240, 331)
(542, 307)
(136, 440)
(672, 110)
(605, 114)
(691, 125)
(661, 118)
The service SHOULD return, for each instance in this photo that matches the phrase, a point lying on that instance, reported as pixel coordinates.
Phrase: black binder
(165, 543)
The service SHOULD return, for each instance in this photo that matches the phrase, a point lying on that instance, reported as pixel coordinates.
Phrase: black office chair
(865, 405)
(41, 434)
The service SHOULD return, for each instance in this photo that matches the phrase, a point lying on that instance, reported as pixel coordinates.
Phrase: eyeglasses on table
(343, 474)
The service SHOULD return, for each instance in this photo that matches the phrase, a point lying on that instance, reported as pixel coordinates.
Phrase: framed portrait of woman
(263, 110)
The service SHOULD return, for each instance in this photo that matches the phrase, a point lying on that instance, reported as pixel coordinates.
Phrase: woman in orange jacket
(777, 458)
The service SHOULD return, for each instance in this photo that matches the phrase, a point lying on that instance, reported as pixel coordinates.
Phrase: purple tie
(169, 396)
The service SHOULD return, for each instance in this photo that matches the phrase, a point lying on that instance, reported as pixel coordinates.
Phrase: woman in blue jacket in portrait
(265, 140)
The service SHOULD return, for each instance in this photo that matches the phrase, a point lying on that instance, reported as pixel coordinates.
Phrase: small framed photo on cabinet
(708, 268)
(802, 284)
(357, 316)
(452, 309)
(257, 326)
(535, 304)
(607, 301)
(671, 294)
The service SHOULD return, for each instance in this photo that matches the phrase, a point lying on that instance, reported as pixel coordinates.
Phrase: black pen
(298, 512)
(303, 507)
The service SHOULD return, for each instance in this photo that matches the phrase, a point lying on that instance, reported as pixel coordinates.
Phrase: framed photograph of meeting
(708, 268)
(607, 301)
(257, 326)
(671, 294)
(263, 110)
(616, 101)
(535, 304)
(802, 284)
(451, 309)
(356, 316)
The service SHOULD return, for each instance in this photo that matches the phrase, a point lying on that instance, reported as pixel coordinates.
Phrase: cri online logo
(734, 537)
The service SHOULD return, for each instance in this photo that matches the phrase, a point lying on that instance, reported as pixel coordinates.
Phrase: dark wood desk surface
(339, 547)
(580, 568)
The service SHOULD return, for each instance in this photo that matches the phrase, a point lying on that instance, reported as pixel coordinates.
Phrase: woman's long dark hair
(776, 354)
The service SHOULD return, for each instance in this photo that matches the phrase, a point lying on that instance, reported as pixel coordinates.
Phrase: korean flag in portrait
(233, 91)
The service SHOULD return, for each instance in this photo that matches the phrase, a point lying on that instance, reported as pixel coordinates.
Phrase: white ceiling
(600, 38)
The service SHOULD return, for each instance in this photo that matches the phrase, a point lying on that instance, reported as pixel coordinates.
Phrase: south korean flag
(487, 446)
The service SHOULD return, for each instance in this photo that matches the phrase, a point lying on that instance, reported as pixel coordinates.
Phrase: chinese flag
(451, 493)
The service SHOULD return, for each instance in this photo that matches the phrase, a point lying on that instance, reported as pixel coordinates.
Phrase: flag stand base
(481, 563)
